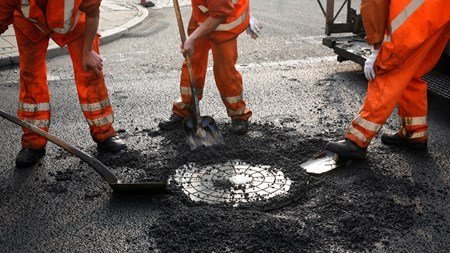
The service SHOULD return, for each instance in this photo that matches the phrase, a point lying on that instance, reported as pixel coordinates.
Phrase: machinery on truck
(350, 44)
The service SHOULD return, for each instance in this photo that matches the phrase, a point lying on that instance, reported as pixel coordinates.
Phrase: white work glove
(253, 28)
(369, 70)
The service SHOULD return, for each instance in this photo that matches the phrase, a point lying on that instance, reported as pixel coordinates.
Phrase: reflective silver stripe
(413, 121)
(234, 113)
(204, 9)
(38, 123)
(358, 134)
(231, 25)
(181, 105)
(25, 8)
(185, 91)
(95, 106)
(413, 135)
(34, 107)
(405, 14)
(233, 100)
(371, 126)
(387, 38)
(69, 5)
(101, 121)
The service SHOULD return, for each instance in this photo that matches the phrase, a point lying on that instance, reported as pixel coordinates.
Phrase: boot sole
(399, 143)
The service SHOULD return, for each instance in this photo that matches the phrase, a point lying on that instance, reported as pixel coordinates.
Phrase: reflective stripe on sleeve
(235, 23)
(95, 106)
(405, 14)
(34, 107)
(101, 121)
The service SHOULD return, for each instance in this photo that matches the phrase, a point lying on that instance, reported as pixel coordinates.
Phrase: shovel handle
(187, 57)
(96, 164)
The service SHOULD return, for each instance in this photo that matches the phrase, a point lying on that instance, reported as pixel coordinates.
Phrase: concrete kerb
(105, 37)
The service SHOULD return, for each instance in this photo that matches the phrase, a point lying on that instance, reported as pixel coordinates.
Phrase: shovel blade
(322, 163)
(142, 188)
(209, 137)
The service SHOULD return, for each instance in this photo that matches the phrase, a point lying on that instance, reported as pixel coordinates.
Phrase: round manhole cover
(231, 182)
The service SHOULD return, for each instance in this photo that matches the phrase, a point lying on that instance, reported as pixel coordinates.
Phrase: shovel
(107, 174)
(200, 130)
(323, 163)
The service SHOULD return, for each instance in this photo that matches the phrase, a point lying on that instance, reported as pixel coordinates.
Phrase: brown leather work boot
(397, 140)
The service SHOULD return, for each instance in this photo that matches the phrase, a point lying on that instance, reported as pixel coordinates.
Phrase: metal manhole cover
(232, 182)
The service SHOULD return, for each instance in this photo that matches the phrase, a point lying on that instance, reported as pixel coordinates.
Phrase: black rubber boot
(174, 121)
(113, 144)
(147, 4)
(347, 149)
(239, 126)
(397, 140)
(29, 157)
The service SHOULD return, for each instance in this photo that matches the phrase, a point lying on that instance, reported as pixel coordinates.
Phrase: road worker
(73, 23)
(215, 25)
(408, 38)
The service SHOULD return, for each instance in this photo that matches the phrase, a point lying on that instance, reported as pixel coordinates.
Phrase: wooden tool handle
(194, 92)
(96, 164)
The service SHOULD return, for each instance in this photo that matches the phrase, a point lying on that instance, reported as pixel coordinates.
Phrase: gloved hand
(253, 28)
(369, 70)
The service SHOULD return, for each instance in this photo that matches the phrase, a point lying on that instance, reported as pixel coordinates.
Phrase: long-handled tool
(108, 175)
(200, 130)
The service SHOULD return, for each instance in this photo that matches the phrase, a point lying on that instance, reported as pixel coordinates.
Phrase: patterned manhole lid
(231, 182)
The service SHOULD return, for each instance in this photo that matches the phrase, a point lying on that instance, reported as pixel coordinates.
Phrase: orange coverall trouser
(92, 92)
(403, 86)
(228, 79)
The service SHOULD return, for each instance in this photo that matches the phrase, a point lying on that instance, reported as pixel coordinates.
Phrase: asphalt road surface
(301, 97)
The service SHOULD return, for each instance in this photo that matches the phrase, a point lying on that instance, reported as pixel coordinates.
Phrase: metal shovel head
(324, 162)
(197, 137)
(132, 188)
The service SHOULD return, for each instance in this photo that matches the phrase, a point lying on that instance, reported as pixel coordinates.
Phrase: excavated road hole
(232, 182)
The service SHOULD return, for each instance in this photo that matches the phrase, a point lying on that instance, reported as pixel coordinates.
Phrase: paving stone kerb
(117, 17)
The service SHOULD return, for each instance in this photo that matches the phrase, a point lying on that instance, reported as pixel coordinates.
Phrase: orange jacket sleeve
(91, 8)
(375, 17)
(7, 13)
(220, 8)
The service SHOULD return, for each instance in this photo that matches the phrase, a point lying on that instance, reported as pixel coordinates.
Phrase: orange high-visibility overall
(223, 44)
(417, 33)
(35, 22)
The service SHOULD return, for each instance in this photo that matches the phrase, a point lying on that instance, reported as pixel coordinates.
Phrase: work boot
(113, 144)
(397, 140)
(347, 149)
(147, 4)
(174, 121)
(28, 157)
(239, 126)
